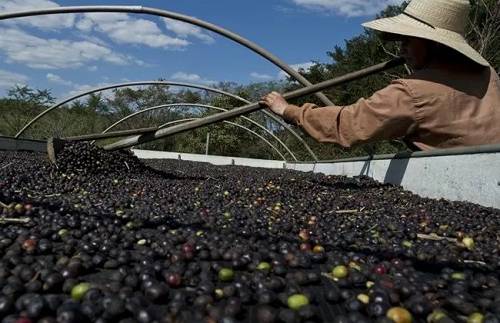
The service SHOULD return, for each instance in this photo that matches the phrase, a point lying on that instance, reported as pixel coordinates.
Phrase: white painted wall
(215, 160)
(471, 178)
(474, 178)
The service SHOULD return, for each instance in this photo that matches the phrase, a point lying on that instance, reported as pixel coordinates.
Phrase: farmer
(451, 100)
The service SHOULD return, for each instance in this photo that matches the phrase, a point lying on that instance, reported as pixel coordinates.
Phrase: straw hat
(442, 21)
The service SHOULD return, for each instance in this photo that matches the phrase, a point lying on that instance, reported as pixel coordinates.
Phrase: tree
(95, 103)
(188, 96)
(484, 30)
(27, 95)
(22, 104)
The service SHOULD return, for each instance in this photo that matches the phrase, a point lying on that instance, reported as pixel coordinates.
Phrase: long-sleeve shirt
(433, 108)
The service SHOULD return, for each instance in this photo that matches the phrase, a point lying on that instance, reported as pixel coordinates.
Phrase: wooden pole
(161, 133)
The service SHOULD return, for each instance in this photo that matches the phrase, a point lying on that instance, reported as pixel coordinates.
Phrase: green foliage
(27, 95)
(484, 30)
(21, 104)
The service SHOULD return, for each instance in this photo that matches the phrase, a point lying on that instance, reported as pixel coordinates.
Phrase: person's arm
(388, 114)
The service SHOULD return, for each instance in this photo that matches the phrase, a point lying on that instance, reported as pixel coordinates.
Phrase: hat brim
(407, 26)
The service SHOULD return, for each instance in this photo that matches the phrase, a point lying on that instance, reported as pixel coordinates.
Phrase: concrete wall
(9, 143)
(473, 178)
(215, 160)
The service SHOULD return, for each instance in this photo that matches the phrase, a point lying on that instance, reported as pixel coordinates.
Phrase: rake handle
(161, 133)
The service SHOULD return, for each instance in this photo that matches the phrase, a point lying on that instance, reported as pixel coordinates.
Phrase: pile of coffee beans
(105, 237)
(85, 158)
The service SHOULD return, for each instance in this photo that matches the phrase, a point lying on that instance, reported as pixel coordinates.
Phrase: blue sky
(72, 53)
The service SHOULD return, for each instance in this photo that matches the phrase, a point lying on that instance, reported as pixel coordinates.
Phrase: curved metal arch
(176, 16)
(233, 124)
(199, 106)
(172, 83)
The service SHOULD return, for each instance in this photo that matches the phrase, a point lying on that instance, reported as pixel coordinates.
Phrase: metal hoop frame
(233, 124)
(169, 83)
(196, 105)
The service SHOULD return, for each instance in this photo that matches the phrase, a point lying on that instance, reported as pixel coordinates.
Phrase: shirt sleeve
(387, 114)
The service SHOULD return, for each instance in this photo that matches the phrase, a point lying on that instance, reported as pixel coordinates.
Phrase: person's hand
(275, 102)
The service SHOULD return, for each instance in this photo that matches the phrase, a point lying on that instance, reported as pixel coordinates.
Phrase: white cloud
(93, 68)
(302, 66)
(184, 30)
(120, 27)
(93, 39)
(190, 78)
(349, 8)
(35, 52)
(54, 78)
(80, 88)
(76, 88)
(85, 25)
(45, 21)
(259, 76)
(9, 79)
(123, 29)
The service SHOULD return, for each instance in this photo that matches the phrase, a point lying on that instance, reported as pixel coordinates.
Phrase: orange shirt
(432, 108)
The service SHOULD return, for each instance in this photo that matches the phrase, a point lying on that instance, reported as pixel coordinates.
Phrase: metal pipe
(112, 134)
(483, 149)
(233, 124)
(132, 141)
(172, 15)
(207, 143)
(201, 106)
(170, 83)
